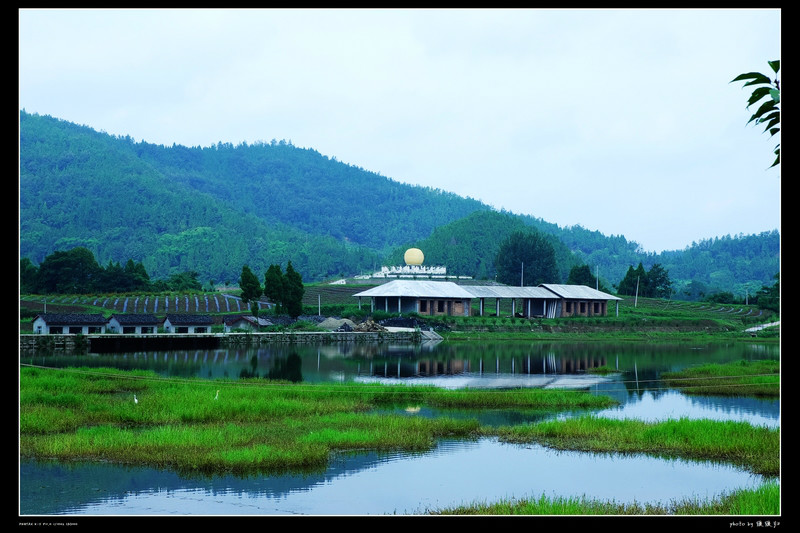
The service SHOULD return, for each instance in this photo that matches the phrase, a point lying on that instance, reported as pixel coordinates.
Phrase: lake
(455, 472)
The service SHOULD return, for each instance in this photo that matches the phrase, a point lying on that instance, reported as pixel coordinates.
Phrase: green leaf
(771, 122)
(775, 65)
(756, 77)
(758, 94)
(775, 94)
(765, 108)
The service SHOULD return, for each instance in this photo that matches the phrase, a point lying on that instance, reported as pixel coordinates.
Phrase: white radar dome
(414, 256)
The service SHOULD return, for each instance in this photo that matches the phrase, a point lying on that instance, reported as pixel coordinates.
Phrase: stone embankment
(103, 343)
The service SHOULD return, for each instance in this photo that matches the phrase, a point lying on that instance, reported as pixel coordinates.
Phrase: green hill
(213, 209)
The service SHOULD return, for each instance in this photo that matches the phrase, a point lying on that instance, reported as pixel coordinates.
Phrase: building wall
(184, 328)
(40, 326)
(584, 308)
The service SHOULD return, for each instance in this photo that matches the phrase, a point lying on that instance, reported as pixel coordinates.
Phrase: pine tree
(275, 286)
(251, 288)
(293, 296)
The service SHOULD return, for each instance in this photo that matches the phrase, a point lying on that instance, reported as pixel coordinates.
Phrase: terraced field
(146, 303)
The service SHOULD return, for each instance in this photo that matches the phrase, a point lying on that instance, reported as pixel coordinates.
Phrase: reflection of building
(448, 298)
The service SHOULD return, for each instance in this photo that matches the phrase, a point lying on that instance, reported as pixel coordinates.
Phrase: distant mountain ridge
(213, 209)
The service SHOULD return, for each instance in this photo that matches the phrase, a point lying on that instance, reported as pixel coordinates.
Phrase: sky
(622, 121)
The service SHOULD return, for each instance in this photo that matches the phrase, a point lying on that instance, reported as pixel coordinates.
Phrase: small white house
(133, 324)
(70, 323)
(185, 323)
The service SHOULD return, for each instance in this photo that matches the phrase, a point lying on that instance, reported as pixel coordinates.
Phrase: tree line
(77, 271)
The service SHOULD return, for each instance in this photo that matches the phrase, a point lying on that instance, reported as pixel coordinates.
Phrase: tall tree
(582, 275)
(72, 272)
(658, 282)
(28, 276)
(251, 288)
(527, 258)
(293, 295)
(634, 282)
(275, 286)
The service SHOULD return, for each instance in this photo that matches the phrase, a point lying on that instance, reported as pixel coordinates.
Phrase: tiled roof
(508, 291)
(578, 292)
(418, 289)
(186, 319)
(448, 289)
(133, 318)
(72, 319)
(248, 318)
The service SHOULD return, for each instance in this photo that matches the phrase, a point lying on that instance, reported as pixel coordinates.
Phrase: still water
(455, 472)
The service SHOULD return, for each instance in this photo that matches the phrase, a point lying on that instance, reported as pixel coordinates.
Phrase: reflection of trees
(251, 372)
(289, 369)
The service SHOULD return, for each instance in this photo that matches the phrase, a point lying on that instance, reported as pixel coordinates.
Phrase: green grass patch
(754, 448)
(761, 501)
(742, 378)
(244, 425)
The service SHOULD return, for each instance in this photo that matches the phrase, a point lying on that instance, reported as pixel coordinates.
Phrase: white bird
(135, 399)
(217, 396)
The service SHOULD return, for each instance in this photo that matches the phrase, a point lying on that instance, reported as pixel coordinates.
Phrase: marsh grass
(754, 448)
(741, 378)
(240, 426)
(761, 501)
(246, 427)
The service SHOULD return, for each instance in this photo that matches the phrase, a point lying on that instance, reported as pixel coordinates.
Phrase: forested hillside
(212, 210)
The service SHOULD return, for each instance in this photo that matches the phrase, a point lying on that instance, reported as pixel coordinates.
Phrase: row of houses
(136, 324)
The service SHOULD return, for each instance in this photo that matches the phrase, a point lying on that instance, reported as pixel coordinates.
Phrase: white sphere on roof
(414, 256)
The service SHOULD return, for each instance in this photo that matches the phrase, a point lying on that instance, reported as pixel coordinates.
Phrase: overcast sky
(621, 121)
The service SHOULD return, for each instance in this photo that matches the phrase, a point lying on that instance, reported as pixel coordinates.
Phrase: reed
(762, 501)
(751, 378)
(739, 443)
(239, 426)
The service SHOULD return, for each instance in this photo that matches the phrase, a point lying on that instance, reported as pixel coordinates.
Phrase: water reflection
(454, 473)
(641, 363)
